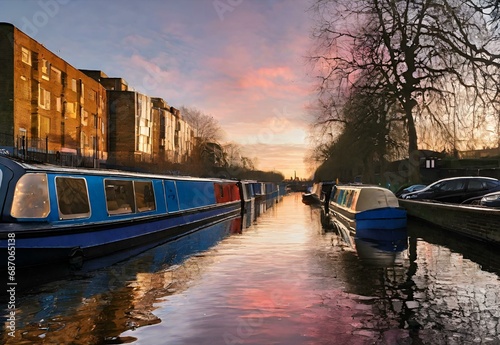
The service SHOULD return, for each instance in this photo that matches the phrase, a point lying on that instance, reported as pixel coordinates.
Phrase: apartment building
(47, 106)
(52, 111)
(146, 129)
(176, 138)
(142, 128)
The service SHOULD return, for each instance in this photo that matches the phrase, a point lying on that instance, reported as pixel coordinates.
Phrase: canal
(283, 280)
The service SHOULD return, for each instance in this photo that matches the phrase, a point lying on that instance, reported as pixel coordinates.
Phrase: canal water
(284, 280)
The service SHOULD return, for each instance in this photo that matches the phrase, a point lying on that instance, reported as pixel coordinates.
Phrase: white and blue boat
(365, 210)
(54, 214)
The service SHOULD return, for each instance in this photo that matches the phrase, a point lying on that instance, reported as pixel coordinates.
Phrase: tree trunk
(413, 153)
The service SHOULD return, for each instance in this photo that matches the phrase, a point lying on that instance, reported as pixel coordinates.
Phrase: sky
(244, 62)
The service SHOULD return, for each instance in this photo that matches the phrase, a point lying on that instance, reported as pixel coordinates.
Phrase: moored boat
(318, 194)
(364, 210)
(247, 196)
(55, 214)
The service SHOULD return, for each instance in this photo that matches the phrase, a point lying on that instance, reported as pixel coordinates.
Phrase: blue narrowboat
(271, 192)
(365, 210)
(260, 198)
(53, 214)
(247, 196)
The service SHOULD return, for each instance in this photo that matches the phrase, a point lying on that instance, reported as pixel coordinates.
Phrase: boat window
(355, 199)
(336, 196)
(249, 190)
(144, 196)
(31, 197)
(341, 200)
(119, 196)
(349, 198)
(72, 197)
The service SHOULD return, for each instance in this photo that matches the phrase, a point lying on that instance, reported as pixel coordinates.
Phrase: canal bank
(480, 223)
(284, 280)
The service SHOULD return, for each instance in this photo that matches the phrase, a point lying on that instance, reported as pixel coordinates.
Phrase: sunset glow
(243, 63)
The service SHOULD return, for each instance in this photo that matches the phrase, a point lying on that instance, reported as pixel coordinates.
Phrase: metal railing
(36, 150)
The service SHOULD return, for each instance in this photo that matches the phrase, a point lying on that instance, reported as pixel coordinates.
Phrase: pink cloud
(266, 78)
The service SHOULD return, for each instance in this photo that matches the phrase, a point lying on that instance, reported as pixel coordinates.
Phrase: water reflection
(94, 305)
(380, 253)
(282, 281)
(455, 296)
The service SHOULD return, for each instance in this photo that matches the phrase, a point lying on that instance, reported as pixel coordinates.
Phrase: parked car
(456, 189)
(413, 188)
(491, 200)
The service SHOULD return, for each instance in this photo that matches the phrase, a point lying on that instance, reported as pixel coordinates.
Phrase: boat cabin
(363, 198)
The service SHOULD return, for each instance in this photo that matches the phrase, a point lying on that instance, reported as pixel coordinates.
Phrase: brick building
(47, 106)
(52, 111)
(142, 128)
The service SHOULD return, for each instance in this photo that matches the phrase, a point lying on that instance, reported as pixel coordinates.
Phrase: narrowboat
(260, 198)
(247, 196)
(52, 214)
(318, 194)
(271, 194)
(311, 197)
(365, 210)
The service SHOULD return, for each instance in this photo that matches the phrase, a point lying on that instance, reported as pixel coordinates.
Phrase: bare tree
(235, 158)
(207, 128)
(410, 49)
(207, 153)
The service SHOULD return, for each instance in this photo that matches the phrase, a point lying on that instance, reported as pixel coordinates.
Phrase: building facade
(47, 106)
(143, 129)
(176, 137)
(52, 111)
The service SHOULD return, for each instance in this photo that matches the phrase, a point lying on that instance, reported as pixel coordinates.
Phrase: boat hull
(45, 244)
(365, 222)
(388, 218)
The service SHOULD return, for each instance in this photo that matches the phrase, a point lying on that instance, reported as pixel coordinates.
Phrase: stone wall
(476, 222)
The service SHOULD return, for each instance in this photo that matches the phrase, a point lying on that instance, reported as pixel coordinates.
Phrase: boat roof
(52, 168)
(370, 197)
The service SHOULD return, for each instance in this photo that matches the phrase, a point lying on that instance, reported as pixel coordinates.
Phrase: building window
(85, 117)
(58, 104)
(44, 126)
(45, 69)
(26, 88)
(56, 74)
(73, 84)
(43, 98)
(26, 55)
(70, 109)
(84, 142)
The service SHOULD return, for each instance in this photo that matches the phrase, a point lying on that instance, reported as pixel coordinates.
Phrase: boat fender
(76, 258)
